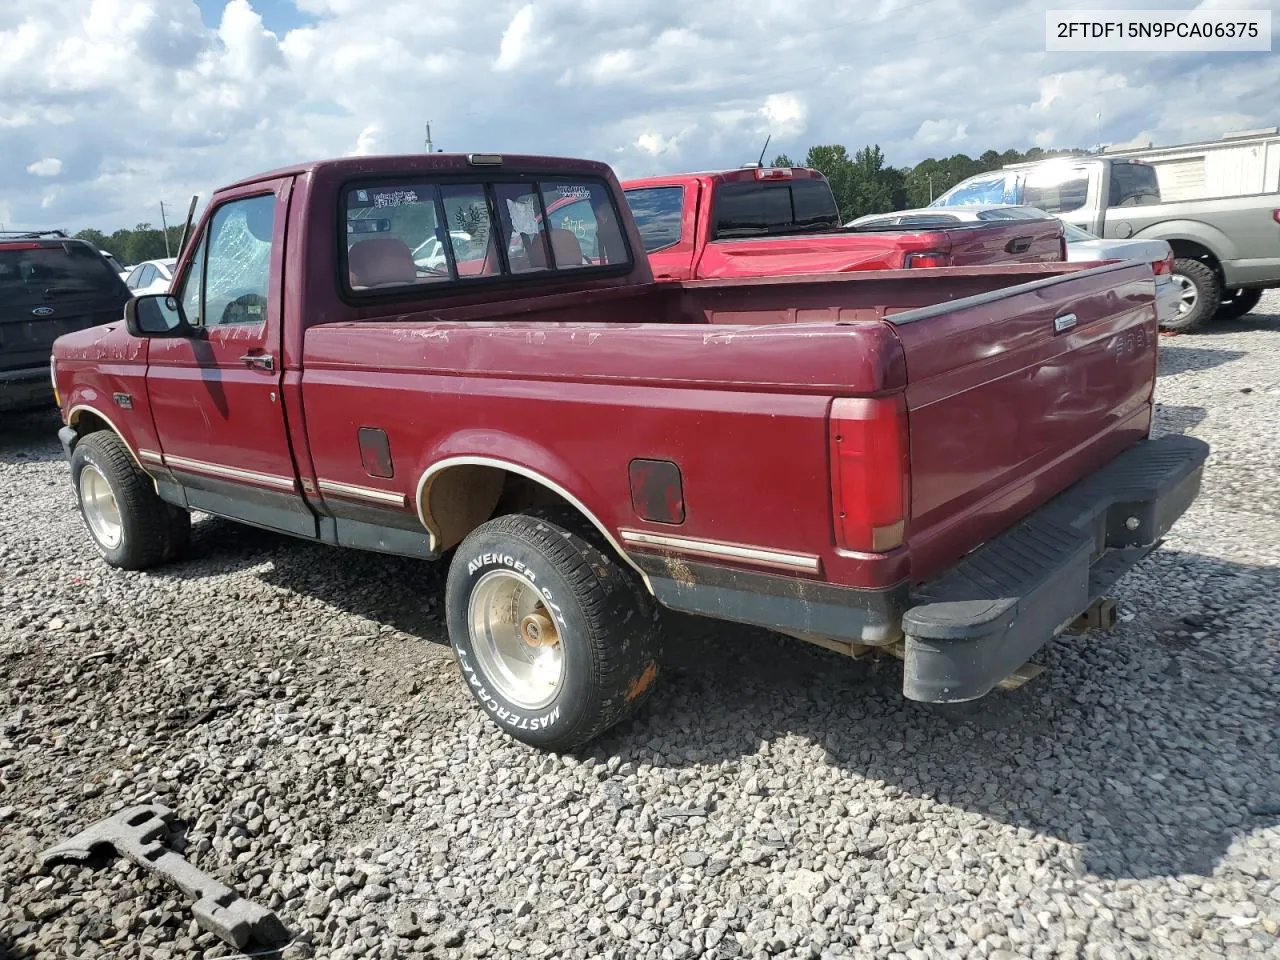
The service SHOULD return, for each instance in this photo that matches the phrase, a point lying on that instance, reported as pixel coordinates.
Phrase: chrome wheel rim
(101, 511)
(1188, 295)
(515, 639)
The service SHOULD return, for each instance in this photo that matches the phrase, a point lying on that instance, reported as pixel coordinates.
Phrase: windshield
(984, 188)
(38, 274)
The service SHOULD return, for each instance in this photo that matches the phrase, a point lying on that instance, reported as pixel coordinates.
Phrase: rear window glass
(747, 209)
(408, 234)
(1133, 185)
(47, 274)
(750, 209)
(813, 204)
(658, 212)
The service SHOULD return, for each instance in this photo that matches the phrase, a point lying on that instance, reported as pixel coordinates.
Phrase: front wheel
(555, 638)
(1200, 292)
(1236, 303)
(129, 524)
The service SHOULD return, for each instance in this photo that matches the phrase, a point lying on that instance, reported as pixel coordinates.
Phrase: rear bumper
(969, 629)
(25, 389)
(990, 613)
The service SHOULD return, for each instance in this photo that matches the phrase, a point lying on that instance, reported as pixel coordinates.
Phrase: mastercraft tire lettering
(554, 637)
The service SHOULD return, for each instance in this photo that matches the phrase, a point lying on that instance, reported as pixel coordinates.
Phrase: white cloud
(139, 99)
(515, 39)
(367, 142)
(48, 167)
(785, 113)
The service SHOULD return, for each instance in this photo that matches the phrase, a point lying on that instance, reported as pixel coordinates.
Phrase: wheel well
(86, 422)
(1190, 250)
(459, 498)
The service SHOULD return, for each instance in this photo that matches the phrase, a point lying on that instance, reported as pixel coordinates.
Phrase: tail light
(933, 258)
(869, 478)
(773, 173)
(1275, 215)
(1163, 266)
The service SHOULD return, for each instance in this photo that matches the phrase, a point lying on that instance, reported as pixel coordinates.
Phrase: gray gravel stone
(772, 797)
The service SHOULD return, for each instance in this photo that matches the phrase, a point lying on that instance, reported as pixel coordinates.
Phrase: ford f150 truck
(1226, 249)
(946, 464)
(769, 221)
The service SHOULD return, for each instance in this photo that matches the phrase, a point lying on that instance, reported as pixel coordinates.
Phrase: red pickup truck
(946, 464)
(770, 221)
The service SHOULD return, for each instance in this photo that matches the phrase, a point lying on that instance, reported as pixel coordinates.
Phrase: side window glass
(192, 292)
(657, 212)
(239, 262)
(466, 214)
(524, 232)
(1057, 191)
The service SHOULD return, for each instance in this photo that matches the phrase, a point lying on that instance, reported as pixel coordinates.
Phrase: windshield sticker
(576, 190)
(524, 219)
(362, 196)
(395, 198)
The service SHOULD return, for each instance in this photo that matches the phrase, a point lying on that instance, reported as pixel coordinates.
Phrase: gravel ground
(298, 709)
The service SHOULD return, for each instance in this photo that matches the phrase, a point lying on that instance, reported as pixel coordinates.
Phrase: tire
(1201, 297)
(1236, 303)
(527, 579)
(130, 525)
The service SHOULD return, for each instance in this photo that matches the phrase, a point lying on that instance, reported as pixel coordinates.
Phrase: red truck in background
(946, 464)
(772, 221)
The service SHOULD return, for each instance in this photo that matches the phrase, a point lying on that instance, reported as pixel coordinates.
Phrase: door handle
(263, 361)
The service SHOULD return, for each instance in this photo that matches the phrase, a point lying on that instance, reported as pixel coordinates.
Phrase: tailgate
(1015, 394)
(1006, 241)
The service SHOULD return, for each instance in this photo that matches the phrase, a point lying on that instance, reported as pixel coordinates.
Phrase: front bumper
(25, 389)
(976, 624)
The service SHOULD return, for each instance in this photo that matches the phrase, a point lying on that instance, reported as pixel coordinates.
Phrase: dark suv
(50, 284)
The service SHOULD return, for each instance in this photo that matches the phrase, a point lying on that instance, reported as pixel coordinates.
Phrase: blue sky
(113, 105)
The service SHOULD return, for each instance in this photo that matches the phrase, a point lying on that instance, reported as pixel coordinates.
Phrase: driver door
(215, 396)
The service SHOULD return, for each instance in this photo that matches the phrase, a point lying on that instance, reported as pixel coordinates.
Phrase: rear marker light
(869, 495)
(931, 259)
(484, 159)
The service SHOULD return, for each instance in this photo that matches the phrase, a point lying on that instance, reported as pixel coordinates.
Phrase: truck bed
(762, 358)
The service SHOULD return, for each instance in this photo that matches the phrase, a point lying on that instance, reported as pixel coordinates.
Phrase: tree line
(863, 183)
(143, 242)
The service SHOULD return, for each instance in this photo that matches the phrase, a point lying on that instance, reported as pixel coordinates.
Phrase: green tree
(782, 160)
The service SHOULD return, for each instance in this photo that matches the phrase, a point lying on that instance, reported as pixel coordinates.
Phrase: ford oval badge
(42, 312)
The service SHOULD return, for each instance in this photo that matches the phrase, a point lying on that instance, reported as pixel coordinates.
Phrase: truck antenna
(429, 145)
(760, 162)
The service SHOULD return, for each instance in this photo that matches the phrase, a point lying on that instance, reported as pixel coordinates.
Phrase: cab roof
(431, 164)
(736, 175)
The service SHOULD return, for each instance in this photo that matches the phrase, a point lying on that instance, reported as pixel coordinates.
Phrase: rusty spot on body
(678, 570)
(643, 682)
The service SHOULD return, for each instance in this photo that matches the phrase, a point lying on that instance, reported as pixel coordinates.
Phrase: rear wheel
(129, 524)
(554, 636)
(1200, 292)
(1236, 303)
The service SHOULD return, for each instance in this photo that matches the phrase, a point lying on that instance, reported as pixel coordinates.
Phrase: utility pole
(429, 144)
(165, 225)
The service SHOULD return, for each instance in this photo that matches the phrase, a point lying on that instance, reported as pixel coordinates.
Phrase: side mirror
(156, 315)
